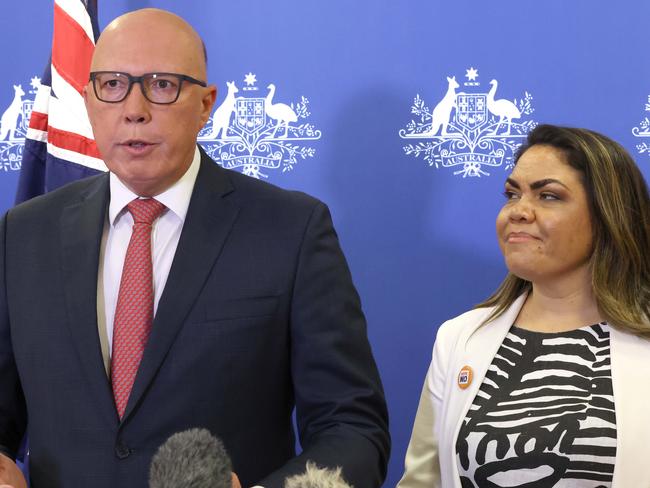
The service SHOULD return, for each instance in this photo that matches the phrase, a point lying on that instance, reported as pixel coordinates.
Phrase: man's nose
(136, 106)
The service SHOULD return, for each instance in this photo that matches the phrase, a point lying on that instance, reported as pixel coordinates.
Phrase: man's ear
(207, 102)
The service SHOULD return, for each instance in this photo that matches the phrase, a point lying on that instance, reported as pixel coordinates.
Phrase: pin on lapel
(465, 377)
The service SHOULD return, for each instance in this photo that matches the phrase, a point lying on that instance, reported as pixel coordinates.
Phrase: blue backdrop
(393, 124)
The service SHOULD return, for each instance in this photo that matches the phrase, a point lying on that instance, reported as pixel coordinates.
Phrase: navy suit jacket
(259, 314)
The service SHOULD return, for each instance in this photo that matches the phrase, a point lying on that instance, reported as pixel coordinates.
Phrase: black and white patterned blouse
(544, 415)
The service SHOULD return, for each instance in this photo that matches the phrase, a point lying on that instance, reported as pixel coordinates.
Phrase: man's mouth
(135, 143)
(137, 147)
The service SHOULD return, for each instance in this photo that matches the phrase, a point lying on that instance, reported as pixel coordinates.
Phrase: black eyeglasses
(160, 88)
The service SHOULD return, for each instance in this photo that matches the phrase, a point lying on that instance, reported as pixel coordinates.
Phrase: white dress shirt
(165, 235)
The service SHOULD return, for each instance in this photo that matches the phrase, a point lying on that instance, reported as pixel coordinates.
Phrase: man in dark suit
(255, 310)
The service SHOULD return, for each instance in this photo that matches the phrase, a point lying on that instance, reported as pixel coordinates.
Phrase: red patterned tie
(134, 310)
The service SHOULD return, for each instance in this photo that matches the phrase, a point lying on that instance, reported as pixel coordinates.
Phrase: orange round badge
(465, 377)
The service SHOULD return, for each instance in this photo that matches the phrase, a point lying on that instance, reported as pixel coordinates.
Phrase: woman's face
(544, 228)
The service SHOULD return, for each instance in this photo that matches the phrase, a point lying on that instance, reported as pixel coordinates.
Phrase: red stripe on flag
(72, 50)
(72, 142)
(38, 121)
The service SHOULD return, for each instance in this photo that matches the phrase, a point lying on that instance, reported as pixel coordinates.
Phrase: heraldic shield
(251, 115)
(471, 110)
(26, 112)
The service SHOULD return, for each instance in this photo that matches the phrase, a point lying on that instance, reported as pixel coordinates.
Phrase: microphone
(315, 477)
(193, 458)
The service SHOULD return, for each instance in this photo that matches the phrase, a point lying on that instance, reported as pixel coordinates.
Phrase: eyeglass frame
(140, 79)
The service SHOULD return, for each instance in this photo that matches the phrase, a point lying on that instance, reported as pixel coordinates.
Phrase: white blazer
(431, 455)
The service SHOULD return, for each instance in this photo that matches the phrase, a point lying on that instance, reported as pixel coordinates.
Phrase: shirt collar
(176, 198)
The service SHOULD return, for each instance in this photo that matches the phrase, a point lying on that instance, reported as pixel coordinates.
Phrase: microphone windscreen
(315, 477)
(191, 459)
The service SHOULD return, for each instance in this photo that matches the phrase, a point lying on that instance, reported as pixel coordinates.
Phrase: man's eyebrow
(536, 185)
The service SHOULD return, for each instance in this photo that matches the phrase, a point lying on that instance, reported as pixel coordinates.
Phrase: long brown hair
(620, 211)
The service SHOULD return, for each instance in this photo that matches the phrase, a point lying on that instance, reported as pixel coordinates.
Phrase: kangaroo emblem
(221, 117)
(442, 112)
(9, 119)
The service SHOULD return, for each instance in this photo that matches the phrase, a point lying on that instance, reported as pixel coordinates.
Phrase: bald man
(247, 312)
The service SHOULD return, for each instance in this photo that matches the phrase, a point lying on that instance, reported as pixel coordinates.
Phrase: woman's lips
(515, 237)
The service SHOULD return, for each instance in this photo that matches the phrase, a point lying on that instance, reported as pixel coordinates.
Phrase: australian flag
(59, 147)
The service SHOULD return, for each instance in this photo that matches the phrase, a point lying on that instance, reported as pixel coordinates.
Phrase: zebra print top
(544, 415)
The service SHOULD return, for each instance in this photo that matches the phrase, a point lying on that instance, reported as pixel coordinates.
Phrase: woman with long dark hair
(547, 382)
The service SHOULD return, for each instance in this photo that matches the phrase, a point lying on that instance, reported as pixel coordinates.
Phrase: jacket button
(122, 451)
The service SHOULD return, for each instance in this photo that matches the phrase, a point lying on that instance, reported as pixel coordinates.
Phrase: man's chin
(142, 184)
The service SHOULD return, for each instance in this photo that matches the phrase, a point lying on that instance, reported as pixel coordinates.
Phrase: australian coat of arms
(253, 133)
(643, 131)
(469, 130)
(14, 123)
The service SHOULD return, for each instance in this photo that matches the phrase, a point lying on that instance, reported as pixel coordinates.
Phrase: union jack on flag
(59, 147)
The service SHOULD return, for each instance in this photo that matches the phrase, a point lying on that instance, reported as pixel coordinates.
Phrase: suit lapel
(81, 232)
(208, 222)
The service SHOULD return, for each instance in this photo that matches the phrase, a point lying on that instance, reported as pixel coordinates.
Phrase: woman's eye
(509, 194)
(549, 196)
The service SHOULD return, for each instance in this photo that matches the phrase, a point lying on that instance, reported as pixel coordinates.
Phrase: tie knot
(145, 211)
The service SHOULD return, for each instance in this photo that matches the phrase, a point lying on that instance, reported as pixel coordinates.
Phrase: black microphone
(315, 477)
(191, 459)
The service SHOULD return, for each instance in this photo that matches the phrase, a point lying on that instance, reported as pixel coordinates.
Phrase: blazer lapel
(476, 349)
(630, 380)
(208, 222)
(82, 225)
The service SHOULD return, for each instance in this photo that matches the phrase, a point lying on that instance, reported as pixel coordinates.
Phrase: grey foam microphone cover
(191, 459)
(315, 477)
